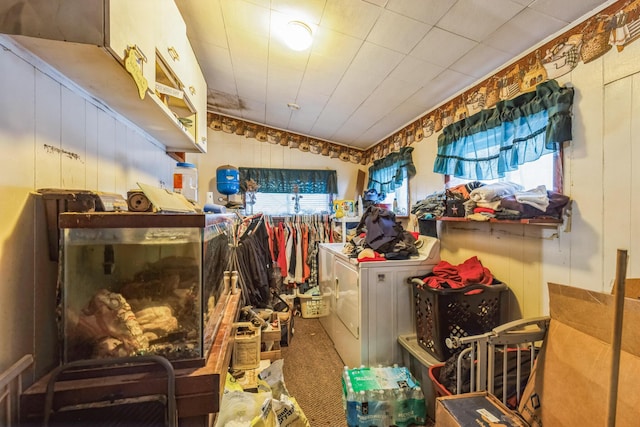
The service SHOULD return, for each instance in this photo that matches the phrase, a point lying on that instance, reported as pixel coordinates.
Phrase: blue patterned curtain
(309, 181)
(387, 174)
(492, 142)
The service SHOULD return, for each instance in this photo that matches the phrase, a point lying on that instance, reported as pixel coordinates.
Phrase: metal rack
(524, 335)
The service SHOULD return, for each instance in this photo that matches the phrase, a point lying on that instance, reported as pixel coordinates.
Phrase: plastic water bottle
(351, 394)
(418, 404)
(185, 180)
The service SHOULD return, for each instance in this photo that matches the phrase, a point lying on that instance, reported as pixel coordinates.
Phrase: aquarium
(142, 283)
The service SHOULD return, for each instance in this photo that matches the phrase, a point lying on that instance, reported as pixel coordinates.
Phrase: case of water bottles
(382, 397)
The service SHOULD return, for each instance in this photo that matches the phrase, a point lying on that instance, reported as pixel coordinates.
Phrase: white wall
(52, 136)
(55, 136)
(238, 151)
(598, 176)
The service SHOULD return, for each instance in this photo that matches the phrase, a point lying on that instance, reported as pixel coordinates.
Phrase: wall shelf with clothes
(527, 221)
(554, 209)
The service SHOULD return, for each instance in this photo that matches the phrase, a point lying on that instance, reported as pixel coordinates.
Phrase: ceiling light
(298, 35)
(293, 106)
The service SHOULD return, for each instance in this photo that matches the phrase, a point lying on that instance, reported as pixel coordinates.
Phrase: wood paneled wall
(52, 135)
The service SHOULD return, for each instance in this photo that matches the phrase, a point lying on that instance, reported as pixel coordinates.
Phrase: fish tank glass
(142, 284)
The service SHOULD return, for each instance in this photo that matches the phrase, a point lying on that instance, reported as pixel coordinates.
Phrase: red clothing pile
(469, 272)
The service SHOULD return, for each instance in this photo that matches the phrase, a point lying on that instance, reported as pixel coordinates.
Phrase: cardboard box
(631, 288)
(475, 409)
(570, 385)
(571, 382)
(270, 340)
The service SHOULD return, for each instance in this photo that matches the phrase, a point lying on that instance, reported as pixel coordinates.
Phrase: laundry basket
(444, 314)
(313, 306)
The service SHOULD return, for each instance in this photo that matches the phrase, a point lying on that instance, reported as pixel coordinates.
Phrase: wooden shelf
(198, 389)
(529, 221)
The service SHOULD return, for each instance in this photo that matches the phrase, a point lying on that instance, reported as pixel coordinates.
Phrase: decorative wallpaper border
(263, 133)
(615, 26)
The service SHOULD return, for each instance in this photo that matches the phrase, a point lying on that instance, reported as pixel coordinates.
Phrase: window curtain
(388, 173)
(492, 142)
(309, 181)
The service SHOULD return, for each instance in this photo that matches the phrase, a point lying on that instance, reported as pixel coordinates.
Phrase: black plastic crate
(428, 227)
(442, 314)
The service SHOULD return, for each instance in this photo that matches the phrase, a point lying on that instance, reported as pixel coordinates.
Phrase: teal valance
(492, 142)
(388, 173)
(309, 181)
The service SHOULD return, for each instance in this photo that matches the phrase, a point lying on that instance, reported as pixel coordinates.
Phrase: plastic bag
(271, 406)
(244, 409)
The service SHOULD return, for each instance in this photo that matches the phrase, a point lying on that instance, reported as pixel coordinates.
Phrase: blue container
(228, 179)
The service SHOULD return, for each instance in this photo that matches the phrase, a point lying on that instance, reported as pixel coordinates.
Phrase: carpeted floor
(312, 373)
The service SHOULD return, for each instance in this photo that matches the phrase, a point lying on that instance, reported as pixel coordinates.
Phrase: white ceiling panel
(397, 32)
(415, 71)
(399, 114)
(318, 83)
(387, 95)
(355, 128)
(252, 110)
(480, 60)
(374, 60)
(263, 3)
(518, 35)
(210, 31)
(309, 11)
(442, 47)
(331, 119)
(396, 117)
(217, 69)
(374, 65)
(566, 10)
(279, 58)
(476, 19)
(354, 18)
(277, 116)
(441, 89)
(252, 85)
(524, 2)
(246, 16)
(380, 3)
(303, 119)
(427, 11)
(241, 56)
(278, 89)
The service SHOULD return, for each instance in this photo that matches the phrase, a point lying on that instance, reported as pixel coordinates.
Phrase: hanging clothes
(254, 261)
(294, 244)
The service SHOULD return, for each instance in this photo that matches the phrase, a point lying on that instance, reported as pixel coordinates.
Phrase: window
(547, 171)
(285, 204)
(494, 144)
(401, 198)
(390, 176)
(277, 190)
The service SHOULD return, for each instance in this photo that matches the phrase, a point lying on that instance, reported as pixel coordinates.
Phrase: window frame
(558, 172)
